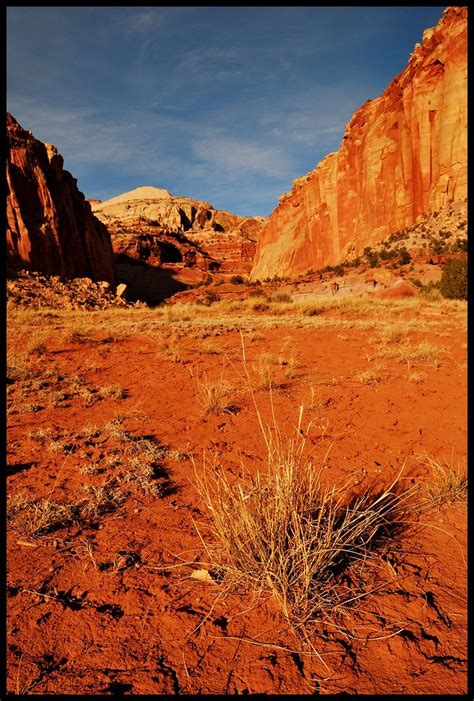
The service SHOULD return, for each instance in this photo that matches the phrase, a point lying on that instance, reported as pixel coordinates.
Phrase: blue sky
(223, 104)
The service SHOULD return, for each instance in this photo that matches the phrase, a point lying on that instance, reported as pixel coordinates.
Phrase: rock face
(150, 225)
(163, 244)
(403, 154)
(50, 226)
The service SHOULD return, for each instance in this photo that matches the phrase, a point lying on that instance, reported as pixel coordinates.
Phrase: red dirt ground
(125, 616)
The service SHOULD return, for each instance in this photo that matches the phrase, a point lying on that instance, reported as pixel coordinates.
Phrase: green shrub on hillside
(405, 257)
(453, 283)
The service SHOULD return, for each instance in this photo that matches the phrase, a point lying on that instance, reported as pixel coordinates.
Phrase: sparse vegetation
(283, 531)
(217, 396)
(36, 518)
(266, 372)
(453, 283)
(448, 482)
(287, 528)
(368, 377)
(407, 353)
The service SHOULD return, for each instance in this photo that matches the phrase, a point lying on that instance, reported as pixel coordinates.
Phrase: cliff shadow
(147, 283)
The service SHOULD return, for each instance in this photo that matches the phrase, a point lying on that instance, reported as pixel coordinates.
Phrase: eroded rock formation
(50, 226)
(403, 154)
(152, 226)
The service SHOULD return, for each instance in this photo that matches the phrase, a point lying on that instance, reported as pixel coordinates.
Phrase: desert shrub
(416, 282)
(256, 293)
(35, 518)
(211, 297)
(237, 280)
(398, 236)
(385, 254)
(453, 283)
(282, 531)
(459, 245)
(280, 297)
(311, 310)
(261, 307)
(431, 291)
(372, 257)
(437, 246)
(448, 482)
(217, 396)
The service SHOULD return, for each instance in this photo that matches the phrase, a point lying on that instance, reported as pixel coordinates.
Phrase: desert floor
(112, 414)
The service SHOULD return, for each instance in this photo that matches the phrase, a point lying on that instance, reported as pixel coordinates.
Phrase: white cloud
(238, 156)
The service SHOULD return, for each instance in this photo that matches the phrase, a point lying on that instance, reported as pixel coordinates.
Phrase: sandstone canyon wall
(50, 226)
(403, 154)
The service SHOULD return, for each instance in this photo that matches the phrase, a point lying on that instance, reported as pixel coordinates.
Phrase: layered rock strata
(152, 226)
(403, 154)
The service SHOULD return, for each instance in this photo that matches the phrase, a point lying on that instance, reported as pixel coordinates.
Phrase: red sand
(119, 622)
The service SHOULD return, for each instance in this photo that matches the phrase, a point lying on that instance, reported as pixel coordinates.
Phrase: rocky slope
(403, 154)
(50, 226)
(32, 289)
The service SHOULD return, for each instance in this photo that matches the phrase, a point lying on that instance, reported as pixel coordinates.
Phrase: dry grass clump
(17, 364)
(40, 435)
(59, 445)
(138, 461)
(392, 334)
(90, 431)
(423, 352)
(36, 518)
(142, 477)
(314, 397)
(417, 377)
(284, 532)
(210, 347)
(90, 468)
(36, 341)
(266, 372)
(33, 519)
(99, 500)
(449, 481)
(76, 335)
(311, 309)
(112, 392)
(172, 349)
(217, 396)
(289, 365)
(368, 377)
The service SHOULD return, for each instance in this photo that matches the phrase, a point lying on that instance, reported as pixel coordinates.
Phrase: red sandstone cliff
(50, 226)
(403, 154)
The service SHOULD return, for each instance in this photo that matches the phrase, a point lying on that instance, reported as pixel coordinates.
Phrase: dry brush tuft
(283, 531)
